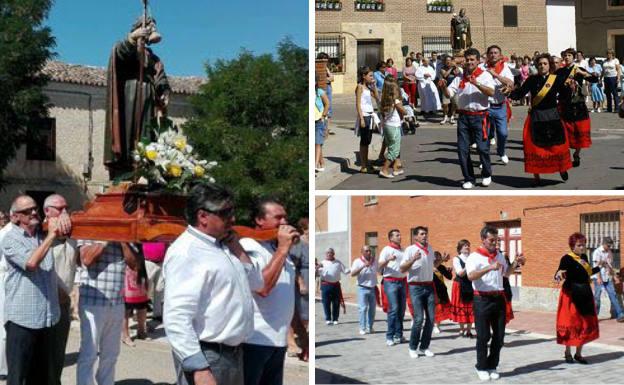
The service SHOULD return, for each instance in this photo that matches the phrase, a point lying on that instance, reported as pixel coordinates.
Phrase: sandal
(128, 341)
(384, 175)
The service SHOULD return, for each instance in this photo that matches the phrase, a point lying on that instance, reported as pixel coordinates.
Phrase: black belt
(496, 105)
(219, 347)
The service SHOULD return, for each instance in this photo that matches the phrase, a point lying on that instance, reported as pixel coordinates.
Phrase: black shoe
(577, 161)
(3, 377)
(469, 335)
(564, 175)
(568, 359)
(580, 360)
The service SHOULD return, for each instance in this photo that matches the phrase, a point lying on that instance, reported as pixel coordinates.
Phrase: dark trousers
(30, 355)
(226, 364)
(60, 332)
(330, 296)
(613, 99)
(264, 365)
(470, 130)
(489, 313)
(424, 306)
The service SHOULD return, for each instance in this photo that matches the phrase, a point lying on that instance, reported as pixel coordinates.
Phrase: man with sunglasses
(65, 253)
(32, 307)
(265, 350)
(3, 270)
(208, 310)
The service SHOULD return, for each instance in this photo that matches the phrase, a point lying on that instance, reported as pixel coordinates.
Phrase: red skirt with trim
(460, 311)
(508, 312)
(574, 328)
(442, 312)
(544, 160)
(579, 132)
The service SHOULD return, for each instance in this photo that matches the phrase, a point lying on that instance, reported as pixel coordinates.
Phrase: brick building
(69, 156)
(538, 226)
(600, 25)
(355, 37)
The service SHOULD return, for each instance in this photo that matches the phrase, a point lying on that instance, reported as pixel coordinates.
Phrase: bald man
(365, 269)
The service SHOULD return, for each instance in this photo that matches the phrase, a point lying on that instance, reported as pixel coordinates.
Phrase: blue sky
(194, 31)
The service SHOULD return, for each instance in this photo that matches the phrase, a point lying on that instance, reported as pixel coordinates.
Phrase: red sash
(484, 123)
(498, 68)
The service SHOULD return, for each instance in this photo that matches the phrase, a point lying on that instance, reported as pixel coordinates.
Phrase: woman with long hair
(546, 148)
(462, 294)
(392, 112)
(577, 321)
(365, 93)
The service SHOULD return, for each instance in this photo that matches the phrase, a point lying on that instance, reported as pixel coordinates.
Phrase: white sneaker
(335, 322)
(467, 185)
(492, 141)
(328, 322)
(480, 166)
(362, 332)
(319, 169)
(486, 181)
(390, 343)
(474, 145)
(426, 352)
(413, 353)
(599, 110)
(452, 121)
(483, 375)
(494, 375)
(593, 110)
(436, 330)
(505, 159)
(443, 122)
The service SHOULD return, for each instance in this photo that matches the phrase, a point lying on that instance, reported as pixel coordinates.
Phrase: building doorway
(369, 53)
(619, 46)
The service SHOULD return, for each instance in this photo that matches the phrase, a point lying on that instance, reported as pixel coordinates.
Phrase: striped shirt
(31, 296)
(102, 283)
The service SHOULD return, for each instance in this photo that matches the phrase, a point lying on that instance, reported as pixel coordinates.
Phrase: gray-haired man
(603, 280)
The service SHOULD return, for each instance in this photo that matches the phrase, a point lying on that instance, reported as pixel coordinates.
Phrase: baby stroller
(409, 124)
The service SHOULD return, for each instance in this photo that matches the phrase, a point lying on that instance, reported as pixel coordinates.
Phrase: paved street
(344, 356)
(151, 363)
(430, 157)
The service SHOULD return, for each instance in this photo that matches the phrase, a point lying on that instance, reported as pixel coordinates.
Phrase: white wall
(338, 214)
(560, 16)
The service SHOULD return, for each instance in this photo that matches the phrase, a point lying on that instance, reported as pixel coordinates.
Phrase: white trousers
(156, 286)
(100, 337)
(3, 361)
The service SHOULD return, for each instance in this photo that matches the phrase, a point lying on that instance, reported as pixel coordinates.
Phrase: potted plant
(337, 4)
(358, 5)
(380, 5)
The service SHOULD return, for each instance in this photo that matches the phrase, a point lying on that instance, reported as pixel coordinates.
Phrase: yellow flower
(180, 142)
(199, 171)
(174, 170)
(151, 154)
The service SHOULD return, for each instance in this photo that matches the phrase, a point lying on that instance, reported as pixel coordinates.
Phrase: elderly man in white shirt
(365, 269)
(603, 280)
(393, 286)
(486, 268)
(274, 303)
(473, 90)
(208, 311)
(3, 270)
(331, 292)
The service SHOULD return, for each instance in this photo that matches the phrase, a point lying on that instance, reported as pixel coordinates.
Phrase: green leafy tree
(252, 118)
(25, 45)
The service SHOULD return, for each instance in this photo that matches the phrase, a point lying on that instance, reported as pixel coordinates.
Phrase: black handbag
(546, 128)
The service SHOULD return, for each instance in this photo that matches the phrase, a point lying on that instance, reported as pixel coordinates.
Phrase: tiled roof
(96, 76)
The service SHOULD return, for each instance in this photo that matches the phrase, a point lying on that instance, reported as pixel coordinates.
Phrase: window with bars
(439, 44)
(371, 240)
(370, 200)
(334, 47)
(41, 142)
(596, 226)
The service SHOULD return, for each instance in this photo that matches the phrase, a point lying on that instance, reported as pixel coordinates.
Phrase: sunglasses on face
(60, 208)
(28, 210)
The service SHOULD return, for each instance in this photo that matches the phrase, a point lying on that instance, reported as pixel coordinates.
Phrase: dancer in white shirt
(331, 292)
(365, 269)
(393, 286)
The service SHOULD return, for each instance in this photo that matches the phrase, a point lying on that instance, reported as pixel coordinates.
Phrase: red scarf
(491, 256)
(394, 246)
(425, 249)
(466, 78)
(363, 259)
(498, 68)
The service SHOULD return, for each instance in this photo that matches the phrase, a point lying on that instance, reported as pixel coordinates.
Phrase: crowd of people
(477, 95)
(230, 307)
(413, 278)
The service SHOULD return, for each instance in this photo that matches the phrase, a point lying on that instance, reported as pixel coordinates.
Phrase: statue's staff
(138, 108)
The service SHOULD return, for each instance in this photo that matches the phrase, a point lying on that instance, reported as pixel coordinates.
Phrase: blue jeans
(613, 99)
(615, 304)
(395, 292)
(469, 130)
(263, 365)
(330, 296)
(424, 305)
(366, 305)
(330, 98)
(498, 127)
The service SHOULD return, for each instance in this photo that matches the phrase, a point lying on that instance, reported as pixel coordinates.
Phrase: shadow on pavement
(518, 343)
(320, 356)
(323, 343)
(325, 377)
(437, 180)
(549, 365)
(522, 182)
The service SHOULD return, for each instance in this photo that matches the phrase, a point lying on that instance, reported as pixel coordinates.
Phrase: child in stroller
(409, 124)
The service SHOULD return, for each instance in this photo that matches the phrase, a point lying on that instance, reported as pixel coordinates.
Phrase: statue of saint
(137, 93)
(461, 38)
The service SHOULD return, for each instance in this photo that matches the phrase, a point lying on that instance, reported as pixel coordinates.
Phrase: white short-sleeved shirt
(368, 275)
(273, 313)
(457, 266)
(610, 68)
(393, 119)
(499, 97)
(330, 270)
(492, 280)
(393, 268)
(422, 269)
(470, 98)
(601, 255)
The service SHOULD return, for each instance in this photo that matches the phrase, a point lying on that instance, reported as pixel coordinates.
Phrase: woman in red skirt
(572, 107)
(577, 321)
(443, 303)
(462, 292)
(546, 148)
